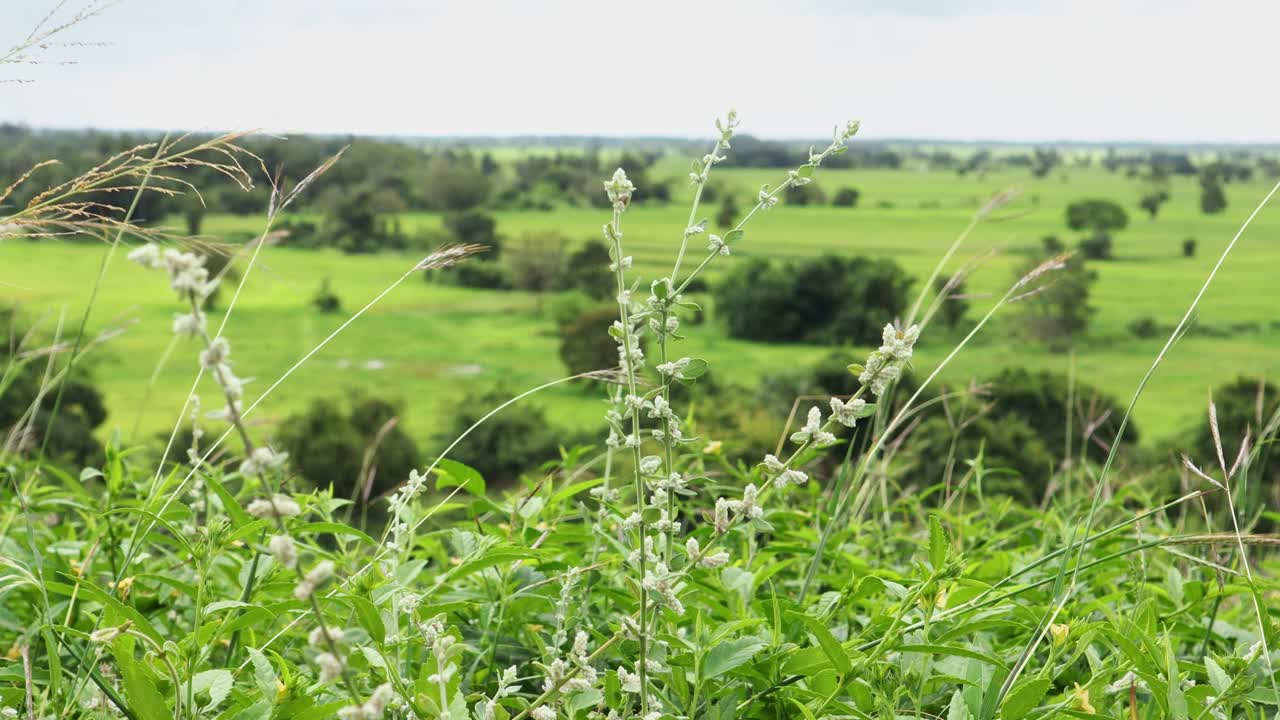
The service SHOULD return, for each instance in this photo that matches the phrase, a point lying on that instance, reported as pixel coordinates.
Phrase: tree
(1096, 215)
(1245, 405)
(506, 445)
(537, 261)
(1044, 160)
(359, 224)
(588, 270)
(728, 213)
(846, 197)
(1189, 247)
(585, 342)
(1152, 201)
(1213, 199)
(1056, 307)
(452, 184)
(824, 299)
(954, 305)
(328, 443)
(1097, 246)
(801, 195)
(474, 227)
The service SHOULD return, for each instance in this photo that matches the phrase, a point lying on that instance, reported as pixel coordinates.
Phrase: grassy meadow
(430, 345)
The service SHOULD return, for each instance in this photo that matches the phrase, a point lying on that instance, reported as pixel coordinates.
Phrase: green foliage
(728, 213)
(1245, 407)
(1152, 201)
(1097, 246)
(1189, 247)
(1213, 198)
(954, 304)
(509, 444)
(846, 197)
(453, 184)
(588, 270)
(325, 299)
(828, 299)
(585, 343)
(1056, 307)
(329, 443)
(1096, 215)
(475, 228)
(536, 261)
(801, 195)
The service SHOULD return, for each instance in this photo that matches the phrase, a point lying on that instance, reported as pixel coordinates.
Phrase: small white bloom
(318, 639)
(812, 426)
(283, 550)
(331, 667)
(191, 324)
(847, 414)
(279, 506)
(262, 459)
(147, 256)
(718, 244)
(218, 352)
(650, 464)
(767, 199)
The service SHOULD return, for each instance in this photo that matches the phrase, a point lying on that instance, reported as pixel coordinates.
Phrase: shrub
(585, 342)
(474, 227)
(565, 307)
(953, 305)
(487, 275)
(1144, 327)
(1040, 398)
(328, 442)
(1096, 215)
(452, 184)
(506, 445)
(1052, 245)
(801, 195)
(1189, 247)
(1015, 461)
(1097, 246)
(537, 261)
(588, 270)
(69, 438)
(326, 300)
(1213, 198)
(1057, 308)
(825, 299)
(728, 213)
(846, 197)
(1244, 406)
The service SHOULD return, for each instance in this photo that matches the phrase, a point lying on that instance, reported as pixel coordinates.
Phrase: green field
(430, 345)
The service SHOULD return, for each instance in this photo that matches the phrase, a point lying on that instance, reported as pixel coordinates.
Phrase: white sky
(1176, 70)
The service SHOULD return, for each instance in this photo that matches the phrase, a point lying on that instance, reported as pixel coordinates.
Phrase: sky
(1083, 70)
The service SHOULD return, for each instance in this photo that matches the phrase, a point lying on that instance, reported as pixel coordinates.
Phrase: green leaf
(957, 710)
(832, 647)
(937, 543)
(369, 618)
(1177, 701)
(954, 650)
(729, 655)
(856, 369)
(217, 683)
(1024, 698)
(1217, 677)
(805, 170)
(451, 473)
(696, 368)
(144, 699)
(733, 236)
(264, 676)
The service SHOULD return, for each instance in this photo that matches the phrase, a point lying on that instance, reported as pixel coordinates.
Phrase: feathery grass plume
(43, 38)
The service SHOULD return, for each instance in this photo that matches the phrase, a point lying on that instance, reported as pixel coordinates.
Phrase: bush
(1144, 327)
(727, 215)
(1056, 308)
(1097, 246)
(475, 228)
(565, 307)
(452, 184)
(1096, 215)
(588, 270)
(327, 445)
(801, 195)
(1189, 247)
(585, 342)
(826, 299)
(1245, 405)
(325, 300)
(69, 440)
(507, 445)
(537, 261)
(1040, 399)
(1052, 245)
(1015, 461)
(1213, 198)
(846, 197)
(954, 305)
(476, 273)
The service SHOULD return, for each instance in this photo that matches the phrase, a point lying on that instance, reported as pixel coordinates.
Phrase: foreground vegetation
(647, 575)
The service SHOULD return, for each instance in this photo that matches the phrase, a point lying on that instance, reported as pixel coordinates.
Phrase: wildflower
(790, 477)
(717, 244)
(331, 667)
(623, 264)
(278, 507)
(797, 180)
(147, 256)
(767, 199)
(629, 681)
(884, 366)
(619, 189)
(750, 507)
(283, 550)
(262, 459)
(191, 324)
(675, 370)
(650, 464)
(898, 344)
(722, 515)
(216, 355)
(313, 580)
(812, 430)
(322, 637)
(847, 414)
(1059, 632)
(1081, 698)
(543, 712)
